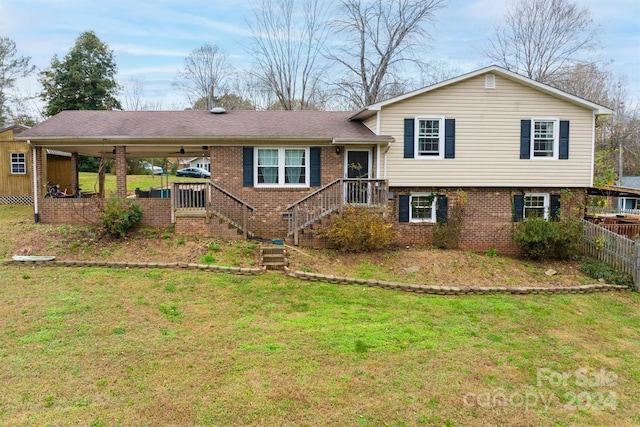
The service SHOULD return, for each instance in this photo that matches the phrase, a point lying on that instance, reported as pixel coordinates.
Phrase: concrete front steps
(274, 257)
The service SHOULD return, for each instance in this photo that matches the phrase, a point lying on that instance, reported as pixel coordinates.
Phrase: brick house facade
(510, 144)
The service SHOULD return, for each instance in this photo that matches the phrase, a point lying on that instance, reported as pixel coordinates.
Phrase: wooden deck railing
(213, 200)
(331, 197)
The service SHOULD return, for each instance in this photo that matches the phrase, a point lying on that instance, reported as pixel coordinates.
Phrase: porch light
(338, 150)
(181, 150)
(114, 151)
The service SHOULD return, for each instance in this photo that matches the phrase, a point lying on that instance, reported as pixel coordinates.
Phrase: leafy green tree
(83, 80)
(12, 67)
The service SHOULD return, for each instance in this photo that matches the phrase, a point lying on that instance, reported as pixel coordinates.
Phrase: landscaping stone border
(253, 271)
(459, 290)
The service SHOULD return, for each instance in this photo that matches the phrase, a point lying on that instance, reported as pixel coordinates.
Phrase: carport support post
(74, 172)
(121, 171)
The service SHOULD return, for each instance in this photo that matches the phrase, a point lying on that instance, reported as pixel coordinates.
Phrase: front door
(357, 165)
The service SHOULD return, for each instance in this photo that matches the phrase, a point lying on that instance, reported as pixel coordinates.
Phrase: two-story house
(505, 145)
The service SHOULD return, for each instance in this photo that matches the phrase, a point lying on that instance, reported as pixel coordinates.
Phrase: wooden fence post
(636, 264)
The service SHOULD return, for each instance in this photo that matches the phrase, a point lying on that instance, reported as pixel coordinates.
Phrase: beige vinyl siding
(371, 122)
(487, 151)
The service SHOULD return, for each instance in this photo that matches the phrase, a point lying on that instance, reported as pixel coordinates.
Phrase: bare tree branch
(380, 35)
(205, 72)
(540, 37)
(287, 55)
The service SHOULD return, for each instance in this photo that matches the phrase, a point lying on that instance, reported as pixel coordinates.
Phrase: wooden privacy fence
(618, 251)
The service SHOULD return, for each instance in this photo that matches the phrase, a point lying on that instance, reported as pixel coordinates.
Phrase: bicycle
(54, 191)
(78, 194)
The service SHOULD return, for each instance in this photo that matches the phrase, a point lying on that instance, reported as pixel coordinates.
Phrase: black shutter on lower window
(442, 208)
(409, 141)
(247, 166)
(518, 207)
(403, 208)
(525, 139)
(314, 166)
(554, 208)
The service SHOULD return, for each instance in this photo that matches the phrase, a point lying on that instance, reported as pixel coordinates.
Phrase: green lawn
(99, 347)
(89, 181)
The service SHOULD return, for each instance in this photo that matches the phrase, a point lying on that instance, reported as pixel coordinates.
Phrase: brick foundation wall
(156, 212)
(488, 216)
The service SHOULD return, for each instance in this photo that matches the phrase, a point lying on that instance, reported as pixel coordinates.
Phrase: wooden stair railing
(332, 197)
(213, 200)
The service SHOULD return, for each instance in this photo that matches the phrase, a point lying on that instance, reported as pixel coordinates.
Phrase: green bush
(537, 238)
(119, 215)
(599, 270)
(358, 229)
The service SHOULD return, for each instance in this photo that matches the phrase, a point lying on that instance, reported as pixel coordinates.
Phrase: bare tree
(617, 137)
(205, 72)
(288, 55)
(540, 37)
(379, 36)
(12, 67)
(134, 99)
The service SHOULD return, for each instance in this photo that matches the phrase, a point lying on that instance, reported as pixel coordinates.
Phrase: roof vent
(489, 81)
(218, 110)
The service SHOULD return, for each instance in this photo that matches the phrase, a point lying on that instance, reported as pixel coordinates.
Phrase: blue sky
(150, 39)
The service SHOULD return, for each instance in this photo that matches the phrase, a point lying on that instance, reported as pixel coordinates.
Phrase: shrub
(358, 229)
(540, 239)
(119, 215)
(599, 270)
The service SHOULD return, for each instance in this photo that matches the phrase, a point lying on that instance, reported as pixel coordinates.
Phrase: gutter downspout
(36, 214)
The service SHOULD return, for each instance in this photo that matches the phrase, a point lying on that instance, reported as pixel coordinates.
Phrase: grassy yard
(102, 347)
(89, 181)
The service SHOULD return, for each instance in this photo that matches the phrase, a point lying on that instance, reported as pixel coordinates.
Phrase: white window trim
(623, 202)
(24, 155)
(440, 138)
(281, 167)
(433, 207)
(547, 204)
(556, 137)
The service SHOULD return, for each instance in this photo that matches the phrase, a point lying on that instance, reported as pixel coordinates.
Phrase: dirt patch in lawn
(420, 265)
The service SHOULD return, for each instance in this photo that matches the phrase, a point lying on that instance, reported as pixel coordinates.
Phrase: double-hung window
(422, 207)
(536, 205)
(544, 143)
(18, 163)
(281, 167)
(429, 140)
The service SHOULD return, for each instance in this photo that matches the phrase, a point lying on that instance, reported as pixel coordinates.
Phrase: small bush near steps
(358, 229)
(119, 215)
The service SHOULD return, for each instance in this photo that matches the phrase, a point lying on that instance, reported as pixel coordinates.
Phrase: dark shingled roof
(202, 124)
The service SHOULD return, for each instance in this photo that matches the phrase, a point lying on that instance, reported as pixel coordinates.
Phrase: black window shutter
(518, 207)
(403, 208)
(525, 139)
(442, 208)
(409, 133)
(564, 140)
(314, 162)
(247, 166)
(554, 207)
(449, 138)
